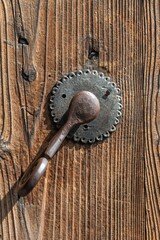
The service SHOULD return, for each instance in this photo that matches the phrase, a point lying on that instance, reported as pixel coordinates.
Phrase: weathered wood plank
(152, 117)
(104, 191)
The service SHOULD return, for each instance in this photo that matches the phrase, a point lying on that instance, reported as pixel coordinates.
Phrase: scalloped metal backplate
(105, 90)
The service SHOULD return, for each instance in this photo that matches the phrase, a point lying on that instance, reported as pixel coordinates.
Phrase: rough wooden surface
(106, 191)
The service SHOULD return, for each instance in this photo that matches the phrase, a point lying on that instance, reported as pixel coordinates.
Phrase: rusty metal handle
(36, 169)
(84, 107)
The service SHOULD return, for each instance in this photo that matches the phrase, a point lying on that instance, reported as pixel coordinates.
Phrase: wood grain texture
(152, 118)
(105, 191)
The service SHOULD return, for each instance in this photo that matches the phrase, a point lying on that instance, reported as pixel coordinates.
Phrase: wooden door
(105, 191)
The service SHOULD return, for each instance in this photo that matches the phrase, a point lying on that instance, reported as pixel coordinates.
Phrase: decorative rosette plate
(104, 89)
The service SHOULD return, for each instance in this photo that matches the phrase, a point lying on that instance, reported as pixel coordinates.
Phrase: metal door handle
(83, 108)
(83, 94)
